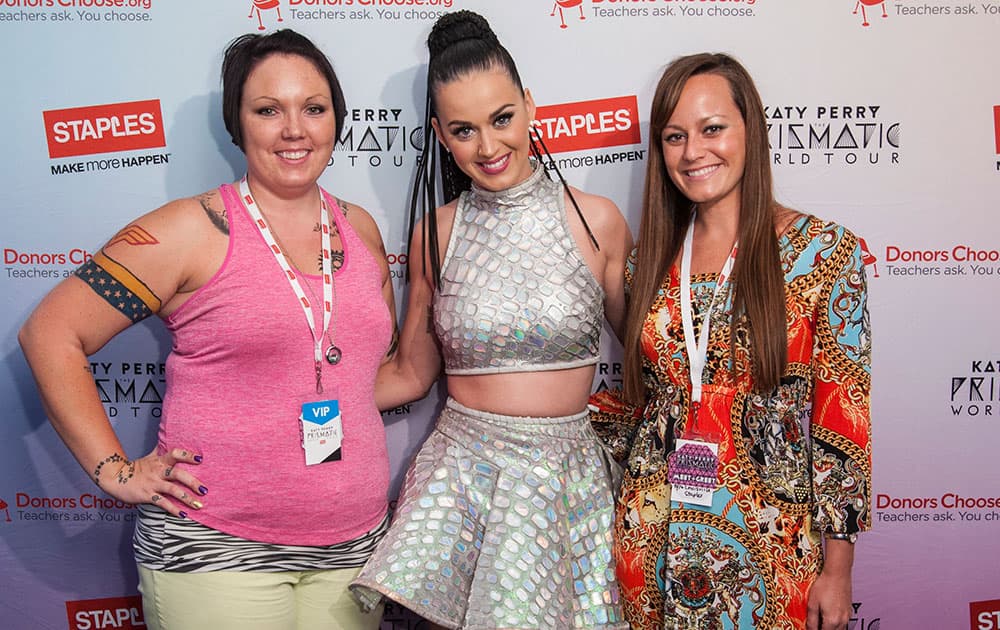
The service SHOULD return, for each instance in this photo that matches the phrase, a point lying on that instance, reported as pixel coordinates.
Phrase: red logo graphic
(996, 126)
(104, 128)
(4, 506)
(606, 122)
(110, 612)
(867, 257)
(985, 615)
(263, 5)
(133, 235)
(566, 4)
(861, 4)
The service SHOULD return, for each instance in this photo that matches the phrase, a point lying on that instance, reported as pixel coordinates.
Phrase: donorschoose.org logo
(560, 5)
(862, 6)
(258, 7)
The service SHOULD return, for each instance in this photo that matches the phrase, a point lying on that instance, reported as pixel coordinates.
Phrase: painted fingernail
(183, 514)
(197, 458)
(197, 505)
(202, 490)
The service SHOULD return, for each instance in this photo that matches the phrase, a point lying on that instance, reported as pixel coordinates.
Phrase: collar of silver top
(516, 197)
(516, 294)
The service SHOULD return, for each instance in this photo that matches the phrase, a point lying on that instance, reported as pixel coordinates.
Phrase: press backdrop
(885, 116)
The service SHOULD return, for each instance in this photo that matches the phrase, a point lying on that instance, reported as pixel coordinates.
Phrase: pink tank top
(241, 368)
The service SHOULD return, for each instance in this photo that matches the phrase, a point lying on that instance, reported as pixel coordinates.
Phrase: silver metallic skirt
(503, 522)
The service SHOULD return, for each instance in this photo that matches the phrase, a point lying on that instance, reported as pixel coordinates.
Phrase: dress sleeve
(614, 421)
(841, 412)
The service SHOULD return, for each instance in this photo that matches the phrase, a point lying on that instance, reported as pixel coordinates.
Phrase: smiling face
(483, 118)
(288, 124)
(704, 143)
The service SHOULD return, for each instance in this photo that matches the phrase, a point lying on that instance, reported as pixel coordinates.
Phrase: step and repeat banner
(884, 116)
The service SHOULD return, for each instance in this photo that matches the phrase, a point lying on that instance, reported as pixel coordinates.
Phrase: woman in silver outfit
(505, 514)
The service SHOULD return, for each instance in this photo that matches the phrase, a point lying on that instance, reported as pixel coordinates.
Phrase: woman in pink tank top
(266, 491)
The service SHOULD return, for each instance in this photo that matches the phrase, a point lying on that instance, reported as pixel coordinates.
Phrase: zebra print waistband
(163, 542)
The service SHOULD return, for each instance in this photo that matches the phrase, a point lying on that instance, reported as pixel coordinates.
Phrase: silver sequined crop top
(515, 294)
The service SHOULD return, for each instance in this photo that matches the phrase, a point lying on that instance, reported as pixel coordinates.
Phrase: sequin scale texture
(515, 293)
(504, 522)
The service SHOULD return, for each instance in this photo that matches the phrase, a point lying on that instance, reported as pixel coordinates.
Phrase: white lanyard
(698, 351)
(293, 280)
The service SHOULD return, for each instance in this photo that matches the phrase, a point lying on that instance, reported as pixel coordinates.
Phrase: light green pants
(231, 600)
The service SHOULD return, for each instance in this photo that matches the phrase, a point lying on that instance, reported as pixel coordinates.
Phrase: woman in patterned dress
(768, 455)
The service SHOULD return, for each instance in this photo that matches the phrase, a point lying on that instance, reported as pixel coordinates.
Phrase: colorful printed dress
(793, 463)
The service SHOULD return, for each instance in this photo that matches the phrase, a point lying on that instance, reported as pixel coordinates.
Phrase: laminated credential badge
(322, 431)
(693, 472)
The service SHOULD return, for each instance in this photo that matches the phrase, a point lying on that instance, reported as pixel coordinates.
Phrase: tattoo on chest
(337, 254)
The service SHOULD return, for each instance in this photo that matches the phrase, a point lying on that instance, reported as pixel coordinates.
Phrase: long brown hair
(758, 284)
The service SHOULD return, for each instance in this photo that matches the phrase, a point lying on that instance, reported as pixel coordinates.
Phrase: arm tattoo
(119, 287)
(394, 344)
(133, 235)
(430, 319)
(218, 219)
(112, 458)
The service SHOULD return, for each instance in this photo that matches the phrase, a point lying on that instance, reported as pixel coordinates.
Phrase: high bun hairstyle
(463, 42)
(459, 43)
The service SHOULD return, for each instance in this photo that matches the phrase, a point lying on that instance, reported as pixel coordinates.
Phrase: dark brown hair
(759, 298)
(245, 52)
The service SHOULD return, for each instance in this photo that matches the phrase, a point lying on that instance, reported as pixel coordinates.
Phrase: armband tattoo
(119, 287)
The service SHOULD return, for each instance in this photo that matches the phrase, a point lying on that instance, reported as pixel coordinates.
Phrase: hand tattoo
(126, 473)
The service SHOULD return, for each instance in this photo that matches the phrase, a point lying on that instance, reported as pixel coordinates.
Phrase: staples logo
(606, 122)
(985, 615)
(104, 128)
(124, 613)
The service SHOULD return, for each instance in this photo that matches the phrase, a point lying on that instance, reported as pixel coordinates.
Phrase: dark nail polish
(202, 490)
(183, 514)
(197, 458)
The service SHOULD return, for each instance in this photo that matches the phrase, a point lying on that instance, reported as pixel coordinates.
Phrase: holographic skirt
(503, 522)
